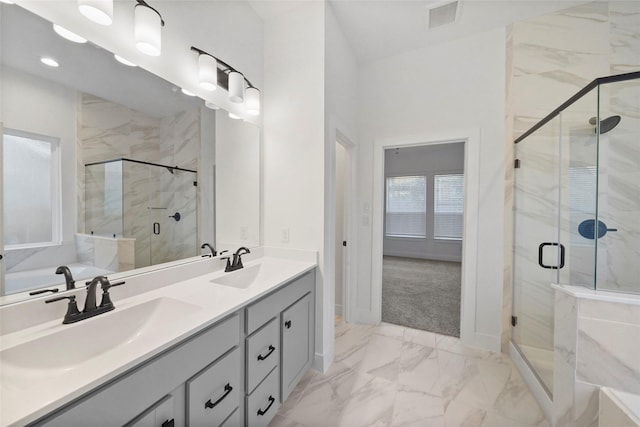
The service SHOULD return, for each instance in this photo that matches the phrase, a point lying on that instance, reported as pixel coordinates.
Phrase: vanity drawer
(263, 403)
(261, 311)
(214, 393)
(263, 353)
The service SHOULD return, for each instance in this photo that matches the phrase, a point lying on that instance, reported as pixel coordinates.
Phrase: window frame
(55, 183)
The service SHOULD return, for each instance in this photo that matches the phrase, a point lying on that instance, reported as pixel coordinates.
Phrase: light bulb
(148, 25)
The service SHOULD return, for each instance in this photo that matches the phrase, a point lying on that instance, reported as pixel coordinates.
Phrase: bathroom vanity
(222, 349)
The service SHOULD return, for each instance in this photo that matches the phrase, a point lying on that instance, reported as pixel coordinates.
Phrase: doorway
(422, 236)
(341, 239)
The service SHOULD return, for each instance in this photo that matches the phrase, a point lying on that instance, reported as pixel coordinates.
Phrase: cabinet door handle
(271, 350)
(261, 411)
(287, 324)
(227, 390)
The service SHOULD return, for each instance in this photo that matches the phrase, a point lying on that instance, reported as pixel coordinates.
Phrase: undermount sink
(243, 278)
(83, 341)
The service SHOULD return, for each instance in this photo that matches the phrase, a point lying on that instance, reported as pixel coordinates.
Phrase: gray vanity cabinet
(236, 372)
(122, 401)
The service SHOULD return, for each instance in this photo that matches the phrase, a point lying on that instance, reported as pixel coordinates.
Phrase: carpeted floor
(422, 294)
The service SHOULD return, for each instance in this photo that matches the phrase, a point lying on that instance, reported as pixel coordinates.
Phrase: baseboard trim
(434, 257)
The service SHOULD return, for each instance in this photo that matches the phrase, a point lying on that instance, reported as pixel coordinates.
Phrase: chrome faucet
(207, 245)
(236, 264)
(90, 308)
(68, 278)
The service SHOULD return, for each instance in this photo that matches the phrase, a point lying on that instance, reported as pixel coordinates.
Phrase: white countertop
(27, 394)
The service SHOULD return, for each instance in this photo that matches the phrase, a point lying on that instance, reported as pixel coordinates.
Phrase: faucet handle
(228, 266)
(106, 298)
(72, 307)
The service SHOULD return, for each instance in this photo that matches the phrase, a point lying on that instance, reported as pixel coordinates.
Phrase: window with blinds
(448, 203)
(406, 206)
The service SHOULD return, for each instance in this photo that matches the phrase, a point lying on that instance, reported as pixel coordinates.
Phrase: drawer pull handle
(227, 390)
(287, 324)
(262, 412)
(271, 350)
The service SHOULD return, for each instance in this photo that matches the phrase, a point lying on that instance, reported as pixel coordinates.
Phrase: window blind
(448, 203)
(406, 206)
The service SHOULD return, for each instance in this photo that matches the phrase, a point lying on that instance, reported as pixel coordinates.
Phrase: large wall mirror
(108, 168)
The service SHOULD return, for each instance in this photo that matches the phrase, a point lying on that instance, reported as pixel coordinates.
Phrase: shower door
(172, 214)
(538, 255)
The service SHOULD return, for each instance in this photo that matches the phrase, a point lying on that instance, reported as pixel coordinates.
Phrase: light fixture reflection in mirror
(68, 104)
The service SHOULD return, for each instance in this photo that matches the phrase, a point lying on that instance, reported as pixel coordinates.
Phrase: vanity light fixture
(98, 11)
(207, 72)
(64, 33)
(123, 61)
(253, 101)
(236, 87)
(148, 25)
(46, 60)
(239, 87)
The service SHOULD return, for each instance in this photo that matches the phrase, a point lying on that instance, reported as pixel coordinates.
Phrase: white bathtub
(43, 277)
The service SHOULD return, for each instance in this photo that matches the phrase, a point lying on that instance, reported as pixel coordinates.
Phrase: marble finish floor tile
(393, 376)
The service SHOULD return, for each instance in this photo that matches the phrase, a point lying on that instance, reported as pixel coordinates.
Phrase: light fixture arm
(228, 68)
(144, 3)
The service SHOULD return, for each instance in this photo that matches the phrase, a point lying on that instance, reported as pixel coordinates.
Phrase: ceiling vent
(443, 13)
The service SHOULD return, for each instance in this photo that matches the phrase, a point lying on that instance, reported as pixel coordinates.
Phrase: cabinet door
(297, 343)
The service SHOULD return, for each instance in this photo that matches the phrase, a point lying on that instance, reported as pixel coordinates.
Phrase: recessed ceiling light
(49, 61)
(234, 116)
(99, 11)
(7, 1)
(63, 32)
(186, 92)
(121, 60)
(211, 105)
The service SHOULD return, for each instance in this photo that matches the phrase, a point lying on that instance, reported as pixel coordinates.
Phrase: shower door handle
(541, 252)
(156, 228)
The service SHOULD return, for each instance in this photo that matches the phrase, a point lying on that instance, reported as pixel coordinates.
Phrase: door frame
(471, 140)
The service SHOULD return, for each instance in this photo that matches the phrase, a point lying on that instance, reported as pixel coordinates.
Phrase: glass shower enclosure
(576, 209)
(151, 203)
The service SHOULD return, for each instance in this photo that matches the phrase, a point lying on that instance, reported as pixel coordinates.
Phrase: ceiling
(378, 29)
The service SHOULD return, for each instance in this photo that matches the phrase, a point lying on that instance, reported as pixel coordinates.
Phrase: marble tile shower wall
(549, 59)
(108, 131)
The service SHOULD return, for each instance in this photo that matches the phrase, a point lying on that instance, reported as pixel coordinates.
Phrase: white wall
(294, 150)
(449, 88)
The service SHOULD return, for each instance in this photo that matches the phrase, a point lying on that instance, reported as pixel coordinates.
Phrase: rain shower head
(606, 124)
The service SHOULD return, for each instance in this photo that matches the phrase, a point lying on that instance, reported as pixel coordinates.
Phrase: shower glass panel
(618, 248)
(153, 204)
(578, 190)
(536, 251)
(576, 209)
